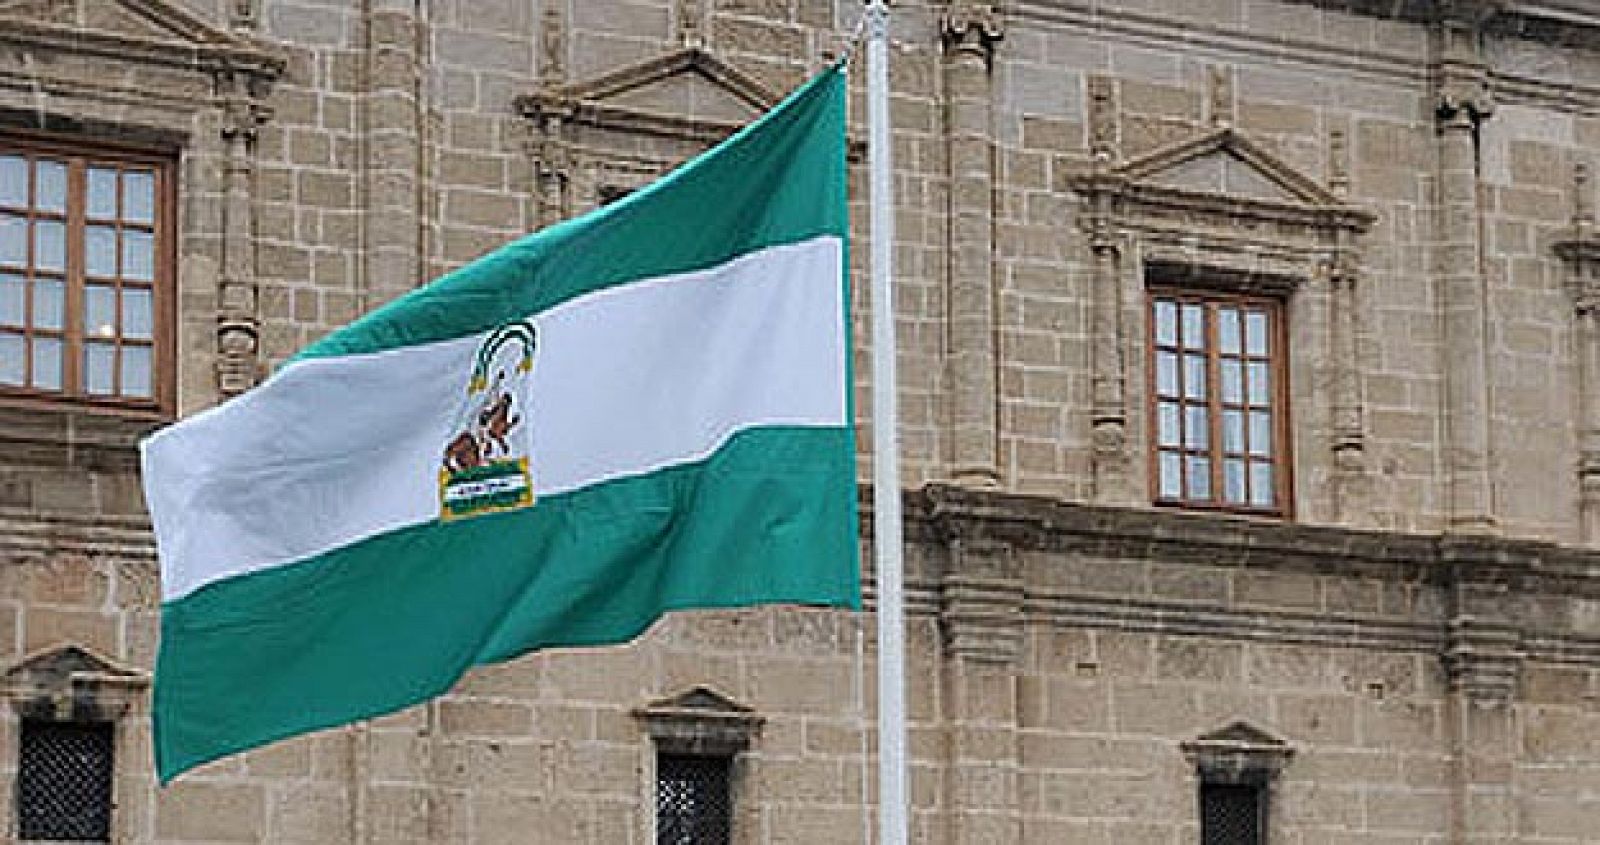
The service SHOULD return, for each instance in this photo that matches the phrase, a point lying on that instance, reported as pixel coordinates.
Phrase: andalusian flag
(636, 411)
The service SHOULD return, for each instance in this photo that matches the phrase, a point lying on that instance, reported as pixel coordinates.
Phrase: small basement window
(64, 781)
(694, 800)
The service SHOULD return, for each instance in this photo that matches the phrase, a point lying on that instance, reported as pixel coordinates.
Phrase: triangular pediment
(1241, 734)
(690, 83)
(1225, 162)
(699, 699)
(138, 25)
(58, 665)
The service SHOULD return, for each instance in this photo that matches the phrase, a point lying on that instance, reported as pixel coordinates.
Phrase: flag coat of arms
(639, 410)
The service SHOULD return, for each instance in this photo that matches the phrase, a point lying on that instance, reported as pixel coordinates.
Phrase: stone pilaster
(551, 160)
(981, 619)
(970, 32)
(238, 317)
(1580, 251)
(1463, 104)
(393, 144)
(1109, 413)
(1349, 439)
(1483, 659)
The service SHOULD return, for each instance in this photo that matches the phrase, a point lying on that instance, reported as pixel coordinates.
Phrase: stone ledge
(1043, 524)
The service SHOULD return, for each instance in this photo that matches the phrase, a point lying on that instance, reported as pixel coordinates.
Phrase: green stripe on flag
(768, 518)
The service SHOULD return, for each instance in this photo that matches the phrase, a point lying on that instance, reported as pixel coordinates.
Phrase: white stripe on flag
(625, 381)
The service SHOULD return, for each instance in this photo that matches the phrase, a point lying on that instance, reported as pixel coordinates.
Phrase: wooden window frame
(80, 154)
(1280, 454)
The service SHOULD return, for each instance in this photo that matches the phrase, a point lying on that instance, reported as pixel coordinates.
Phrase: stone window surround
(1239, 754)
(701, 722)
(1292, 236)
(83, 149)
(72, 683)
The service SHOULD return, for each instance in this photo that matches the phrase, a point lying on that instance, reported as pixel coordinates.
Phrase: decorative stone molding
(1483, 652)
(1238, 754)
(585, 137)
(591, 102)
(972, 27)
(1580, 252)
(553, 40)
(1221, 210)
(239, 364)
(1219, 96)
(981, 589)
(691, 23)
(244, 15)
(73, 683)
(136, 31)
(1093, 567)
(700, 721)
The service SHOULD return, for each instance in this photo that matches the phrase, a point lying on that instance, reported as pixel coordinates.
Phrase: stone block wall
(1420, 634)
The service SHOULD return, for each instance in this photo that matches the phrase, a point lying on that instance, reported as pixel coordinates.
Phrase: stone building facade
(1136, 616)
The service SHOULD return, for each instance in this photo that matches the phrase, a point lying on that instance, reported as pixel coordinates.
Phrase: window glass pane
(139, 196)
(136, 322)
(11, 358)
(13, 240)
(1232, 382)
(1166, 374)
(1166, 322)
(102, 190)
(136, 371)
(50, 192)
(138, 255)
(1171, 475)
(1233, 481)
(1167, 424)
(1261, 485)
(1194, 376)
(13, 181)
(1228, 330)
(1258, 383)
(1194, 326)
(1195, 433)
(1233, 431)
(99, 311)
(12, 299)
(47, 363)
(100, 250)
(98, 361)
(50, 245)
(49, 303)
(1260, 433)
(1255, 332)
(1199, 470)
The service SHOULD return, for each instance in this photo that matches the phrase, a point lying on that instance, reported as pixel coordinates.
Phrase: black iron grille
(1231, 815)
(693, 803)
(64, 782)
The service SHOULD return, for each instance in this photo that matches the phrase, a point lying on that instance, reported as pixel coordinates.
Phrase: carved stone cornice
(700, 721)
(72, 683)
(1131, 188)
(1238, 754)
(584, 103)
(173, 37)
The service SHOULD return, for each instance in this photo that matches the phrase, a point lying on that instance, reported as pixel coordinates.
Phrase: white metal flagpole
(886, 525)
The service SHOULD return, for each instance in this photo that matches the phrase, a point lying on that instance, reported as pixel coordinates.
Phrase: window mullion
(1214, 403)
(72, 324)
